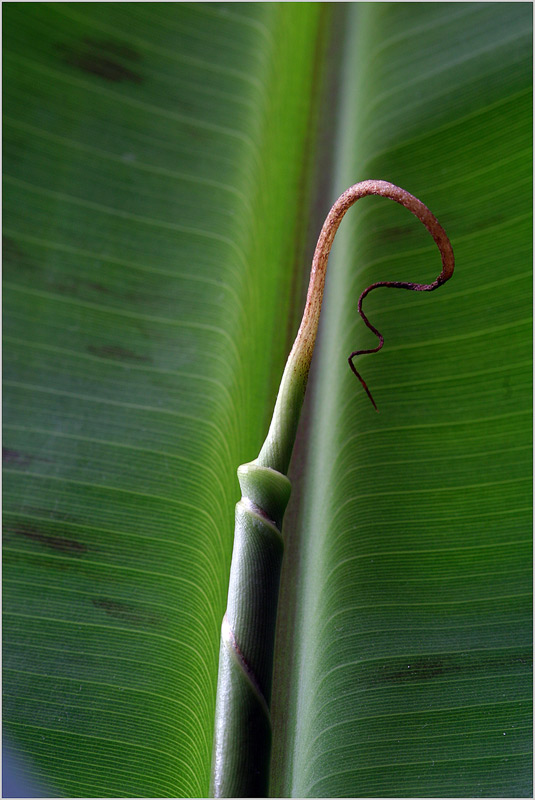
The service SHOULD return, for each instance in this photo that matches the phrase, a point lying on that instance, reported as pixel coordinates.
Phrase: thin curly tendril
(307, 332)
(415, 287)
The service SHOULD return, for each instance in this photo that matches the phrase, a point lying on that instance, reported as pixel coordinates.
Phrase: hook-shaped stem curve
(276, 449)
(306, 335)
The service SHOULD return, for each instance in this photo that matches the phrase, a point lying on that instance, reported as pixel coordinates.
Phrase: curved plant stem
(242, 740)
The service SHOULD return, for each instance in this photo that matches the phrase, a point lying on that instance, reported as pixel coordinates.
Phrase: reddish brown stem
(304, 343)
(307, 333)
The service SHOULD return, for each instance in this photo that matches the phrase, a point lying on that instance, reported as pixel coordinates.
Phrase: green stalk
(242, 739)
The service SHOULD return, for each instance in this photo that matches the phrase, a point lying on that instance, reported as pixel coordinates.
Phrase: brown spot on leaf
(125, 612)
(418, 671)
(102, 58)
(394, 233)
(118, 49)
(14, 457)
(488, 221)
(99, 287)
(451, 666)
(58, 543)
(117, 352)
(79, 288)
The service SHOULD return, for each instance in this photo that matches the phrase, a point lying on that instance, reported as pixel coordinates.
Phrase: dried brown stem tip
(307, 332)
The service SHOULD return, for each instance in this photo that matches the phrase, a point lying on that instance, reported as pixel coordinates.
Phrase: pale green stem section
(242, 740)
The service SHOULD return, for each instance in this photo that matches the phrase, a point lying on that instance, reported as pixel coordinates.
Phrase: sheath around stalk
(242, 741)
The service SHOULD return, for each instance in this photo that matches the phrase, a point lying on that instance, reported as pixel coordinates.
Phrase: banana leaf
(166, 171)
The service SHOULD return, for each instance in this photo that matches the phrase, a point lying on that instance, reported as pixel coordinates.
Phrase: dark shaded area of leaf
(101, 59)
(125, 612)
(57, 543)
(116, 352)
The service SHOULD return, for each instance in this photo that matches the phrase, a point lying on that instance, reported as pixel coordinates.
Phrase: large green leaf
(155, 162)
(413, 619)
(159, 161)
